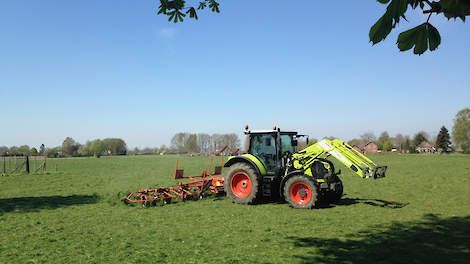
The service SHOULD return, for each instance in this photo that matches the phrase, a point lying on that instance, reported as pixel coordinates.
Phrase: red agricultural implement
(199, 187)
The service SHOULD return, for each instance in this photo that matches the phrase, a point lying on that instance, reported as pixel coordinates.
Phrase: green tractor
(272, 170)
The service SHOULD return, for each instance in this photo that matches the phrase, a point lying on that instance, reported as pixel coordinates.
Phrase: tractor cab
(272, 147)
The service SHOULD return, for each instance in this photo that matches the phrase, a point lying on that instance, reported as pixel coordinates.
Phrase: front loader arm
(351, 158)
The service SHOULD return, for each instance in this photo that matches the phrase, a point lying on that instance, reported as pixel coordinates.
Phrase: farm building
(425, 147)
(222, 150)
(234, 152)
(359, 149)
(371, 147)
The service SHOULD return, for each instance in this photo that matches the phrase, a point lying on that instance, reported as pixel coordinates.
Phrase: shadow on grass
(372, 202)
(432, 240)
(31, 204)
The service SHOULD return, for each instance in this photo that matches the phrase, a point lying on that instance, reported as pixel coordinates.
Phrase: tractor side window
(286, 144)
(264, 147)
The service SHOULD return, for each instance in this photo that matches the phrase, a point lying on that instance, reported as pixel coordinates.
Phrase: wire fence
(25, 164)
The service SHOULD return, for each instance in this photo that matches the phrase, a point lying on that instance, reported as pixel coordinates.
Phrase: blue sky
(95, 69)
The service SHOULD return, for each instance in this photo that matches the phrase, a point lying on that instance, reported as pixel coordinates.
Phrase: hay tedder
(273, 170)
(198, 187)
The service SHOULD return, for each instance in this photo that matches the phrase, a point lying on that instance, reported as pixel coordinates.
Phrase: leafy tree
(461, 130)
(419, 138)
(388, 145)
(384, 137)
(13, 151)
(115, 146)
(97, 147)
(84, 150)
(33, 151)
(443, 140)
(52, 153)
(23, 150)
(70, 147)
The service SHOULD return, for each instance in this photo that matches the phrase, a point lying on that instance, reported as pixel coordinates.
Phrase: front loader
(272, 169)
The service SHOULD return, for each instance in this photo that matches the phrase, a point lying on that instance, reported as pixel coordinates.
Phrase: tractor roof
(270, 131)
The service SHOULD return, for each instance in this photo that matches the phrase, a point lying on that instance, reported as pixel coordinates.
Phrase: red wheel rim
(240, 184)
(300, 193)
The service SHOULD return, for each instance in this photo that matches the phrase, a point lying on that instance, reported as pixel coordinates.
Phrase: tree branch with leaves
(421, 37)
(176, 10)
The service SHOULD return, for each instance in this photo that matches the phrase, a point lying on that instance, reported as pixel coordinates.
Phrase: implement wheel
(242, 183)
(300, 191)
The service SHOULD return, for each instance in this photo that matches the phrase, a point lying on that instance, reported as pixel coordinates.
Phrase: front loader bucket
(378, 172)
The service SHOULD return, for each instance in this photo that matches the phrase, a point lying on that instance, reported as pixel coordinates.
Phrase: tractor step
(267, 186)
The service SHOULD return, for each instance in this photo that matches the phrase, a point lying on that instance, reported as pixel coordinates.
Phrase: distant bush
(52, 153)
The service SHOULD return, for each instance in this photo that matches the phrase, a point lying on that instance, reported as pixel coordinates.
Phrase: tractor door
(263, 146)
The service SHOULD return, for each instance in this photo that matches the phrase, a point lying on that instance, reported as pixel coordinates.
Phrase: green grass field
(420, 213)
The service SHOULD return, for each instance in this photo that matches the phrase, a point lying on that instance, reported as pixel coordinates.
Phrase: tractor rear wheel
(301, 191)
(242, 183)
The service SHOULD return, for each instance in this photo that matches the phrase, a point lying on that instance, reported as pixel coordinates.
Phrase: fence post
(4, 165)
(27, 164)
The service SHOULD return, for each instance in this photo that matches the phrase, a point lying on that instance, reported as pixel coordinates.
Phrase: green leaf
(214, 6)
(202, 5)
(192, 13)
(420, 37)
(434, 37)
(383, 1)
(380, 30)
(163, 7)
(455, 8)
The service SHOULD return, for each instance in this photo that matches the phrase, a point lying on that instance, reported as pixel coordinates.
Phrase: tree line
(202, 142)
(71, 148)
(443, 142)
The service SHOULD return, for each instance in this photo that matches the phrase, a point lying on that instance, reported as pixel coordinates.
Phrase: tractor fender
(285, 178)
(250, 159)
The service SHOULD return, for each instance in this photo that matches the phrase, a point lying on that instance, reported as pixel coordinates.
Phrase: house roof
(221, 148)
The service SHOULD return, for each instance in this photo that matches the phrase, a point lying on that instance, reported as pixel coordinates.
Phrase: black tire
(335, 195)
(308, 190)
(245, 171)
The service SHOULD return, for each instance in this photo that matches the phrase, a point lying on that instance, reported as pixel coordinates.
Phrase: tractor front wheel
(301, 191)
(242, 183)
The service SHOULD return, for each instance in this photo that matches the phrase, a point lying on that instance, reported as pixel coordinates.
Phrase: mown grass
(420, 213)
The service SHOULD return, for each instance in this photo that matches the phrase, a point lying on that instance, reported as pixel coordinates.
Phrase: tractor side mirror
(295, 143)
